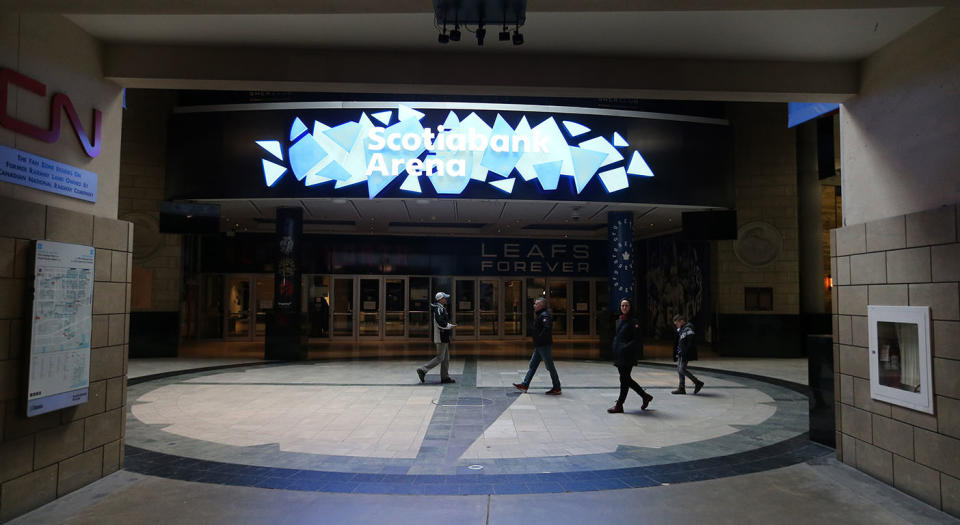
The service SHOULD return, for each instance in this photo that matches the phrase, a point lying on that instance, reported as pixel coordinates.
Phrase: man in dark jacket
(542, 341)
(627, 347)
(441, 337)
(685, 350)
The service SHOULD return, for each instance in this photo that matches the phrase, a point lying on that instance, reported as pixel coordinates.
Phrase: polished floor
(363, 441)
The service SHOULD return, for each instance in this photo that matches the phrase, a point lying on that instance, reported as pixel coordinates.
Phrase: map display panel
(59, 373)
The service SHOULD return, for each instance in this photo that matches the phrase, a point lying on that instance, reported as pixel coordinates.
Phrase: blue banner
(32, 171)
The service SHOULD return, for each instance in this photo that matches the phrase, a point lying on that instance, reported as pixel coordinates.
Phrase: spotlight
(505, 34)
(481, 34)
(443, 38)
(455, 34)
(517, 38)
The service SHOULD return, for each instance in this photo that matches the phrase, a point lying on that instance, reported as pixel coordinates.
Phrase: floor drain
(475, 467)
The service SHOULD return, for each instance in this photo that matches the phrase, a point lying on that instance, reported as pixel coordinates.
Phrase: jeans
(542, 353)
(682, 371)
(442, 358)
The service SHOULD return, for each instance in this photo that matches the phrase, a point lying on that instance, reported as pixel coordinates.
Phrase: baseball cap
(441, 295)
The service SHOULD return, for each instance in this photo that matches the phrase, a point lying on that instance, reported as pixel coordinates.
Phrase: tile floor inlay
(372, 427)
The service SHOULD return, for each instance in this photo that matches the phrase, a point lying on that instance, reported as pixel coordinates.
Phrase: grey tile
(942, 298)
(917, 480)
(868, 268)
(889, 295)
(909, 266)
(886, 234)
(851, 240)
(946, 262)
(936, 226)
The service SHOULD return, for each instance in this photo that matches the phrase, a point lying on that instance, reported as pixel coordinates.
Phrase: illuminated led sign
(379, 150)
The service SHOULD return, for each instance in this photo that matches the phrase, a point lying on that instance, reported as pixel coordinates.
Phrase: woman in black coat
(627, 345)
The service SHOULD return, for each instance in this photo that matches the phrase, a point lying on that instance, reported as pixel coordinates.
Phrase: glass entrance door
(465, 308)
(264, 304)
(488, 321)
(557, 294)
(343, 307)
(513, 307)
(369, 296)
(394, 300)
(581, 307)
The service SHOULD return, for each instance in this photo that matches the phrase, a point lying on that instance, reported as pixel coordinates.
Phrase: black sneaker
(553, 392)
(697, 387)
(680, 391)
(422, 374)
(447, 380)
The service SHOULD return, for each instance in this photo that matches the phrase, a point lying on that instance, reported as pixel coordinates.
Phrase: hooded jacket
(686, 344)
(441, 324)
(627, 343)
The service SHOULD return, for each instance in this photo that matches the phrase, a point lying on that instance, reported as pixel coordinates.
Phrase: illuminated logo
(450, 156)
(60, 101)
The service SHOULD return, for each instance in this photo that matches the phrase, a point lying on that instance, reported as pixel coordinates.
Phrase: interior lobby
(270, 201)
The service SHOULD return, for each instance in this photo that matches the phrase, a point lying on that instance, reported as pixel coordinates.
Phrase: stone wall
(907, 260)
(765, 171)
(46, 456)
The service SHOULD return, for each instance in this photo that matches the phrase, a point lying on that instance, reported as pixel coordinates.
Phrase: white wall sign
(900, 371)
(59, 373)
(32, 171)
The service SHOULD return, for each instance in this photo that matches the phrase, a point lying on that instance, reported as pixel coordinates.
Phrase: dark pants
(542, 353)
(626, 383)
(682, 371)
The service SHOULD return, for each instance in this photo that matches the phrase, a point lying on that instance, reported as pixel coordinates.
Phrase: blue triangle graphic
(575, 129)
(383, 116)
(297, 129)
(505, 185)
(638, 166)
(272, 172)
(452, 121)
(618, 140)
(405, 113)
(614, 180)
(548, 174)
(411, 184)
(585, 165)
(273, 146)
(344, 135)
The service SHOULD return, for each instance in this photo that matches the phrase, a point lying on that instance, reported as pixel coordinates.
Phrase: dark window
(758, 299)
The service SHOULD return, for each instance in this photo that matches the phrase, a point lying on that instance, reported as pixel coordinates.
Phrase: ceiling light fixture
(481, 13)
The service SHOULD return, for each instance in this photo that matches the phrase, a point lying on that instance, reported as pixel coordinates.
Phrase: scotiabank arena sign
(387, 146)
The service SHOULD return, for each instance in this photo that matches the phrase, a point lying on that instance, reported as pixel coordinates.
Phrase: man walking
(441, 337)
(684, 351)
(542, 341)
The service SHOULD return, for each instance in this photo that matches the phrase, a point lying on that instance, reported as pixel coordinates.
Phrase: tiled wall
(765, 169)
(47, 456)
(157, 256)
(911, 260)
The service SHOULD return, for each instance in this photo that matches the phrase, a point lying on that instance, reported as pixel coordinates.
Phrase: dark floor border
(785, 453)
(796, 387)
(789, 452)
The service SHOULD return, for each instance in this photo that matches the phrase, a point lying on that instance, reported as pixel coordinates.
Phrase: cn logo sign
(60, 101)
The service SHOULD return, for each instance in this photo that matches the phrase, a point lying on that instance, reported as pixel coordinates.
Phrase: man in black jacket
(685, 350)
(441, 337)
(542, 341)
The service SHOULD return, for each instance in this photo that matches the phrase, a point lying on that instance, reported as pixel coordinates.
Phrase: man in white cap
(441, 336)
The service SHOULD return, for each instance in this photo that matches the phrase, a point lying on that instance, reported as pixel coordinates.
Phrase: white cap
(441, 295)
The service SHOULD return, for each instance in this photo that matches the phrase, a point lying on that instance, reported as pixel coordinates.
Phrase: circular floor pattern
(371, 427)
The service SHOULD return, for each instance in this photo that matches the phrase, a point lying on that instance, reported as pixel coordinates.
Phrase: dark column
(810, 222)
(620, 241)
(284, 339)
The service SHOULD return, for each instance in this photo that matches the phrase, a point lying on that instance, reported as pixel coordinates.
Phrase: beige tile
(853, 361)
(909, 266)
(845, 334)
(22, 219)
(851, 240)
(24, 259)
(860, 331)
(886, 234)
(102, 265)
(833, 243)
(111, 457)
(102, 428)
(917, 419)
(8, 251)
(892, 435)
(58, 444)
(875, 461)
(11, 298)
(28, 492)
(846, 389)
(115, 388)
(69, 226)
(936, 226)
(868, 268)
(843, 271)
(946, 339)
(110, 233)
(950, 494)
(946, 377)
(119, 267)
(888, 295)
(849, 450)
(920, 482)
(852, 300)
(937, 451)
(856, 423)
(946, 262)
(79, 471)
(96, 398)
(942, 298)
(99, 334)
(117, 333)
(862, 399)
(106, 362)
(16, 458)
(109, 298)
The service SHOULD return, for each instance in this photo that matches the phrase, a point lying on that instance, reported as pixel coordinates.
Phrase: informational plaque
(59, 374)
